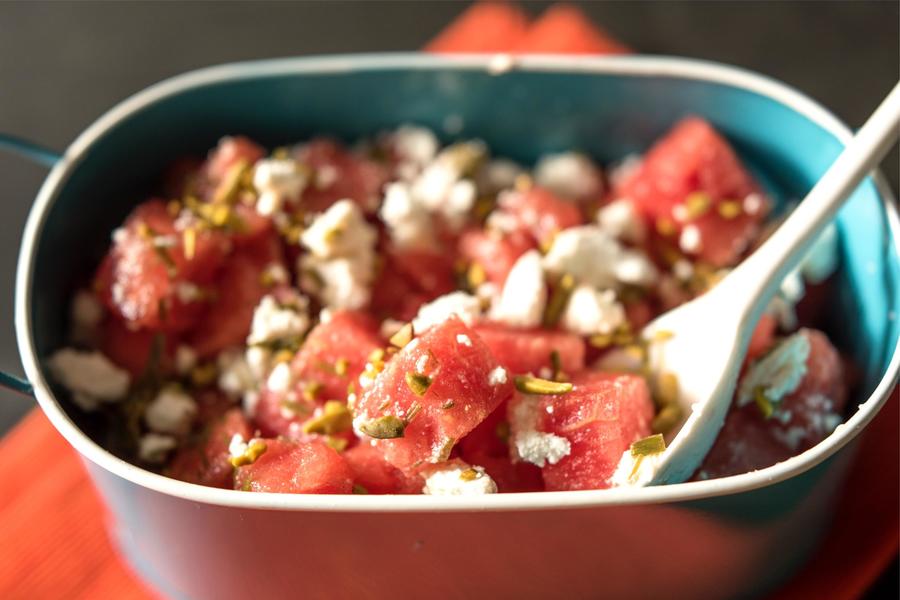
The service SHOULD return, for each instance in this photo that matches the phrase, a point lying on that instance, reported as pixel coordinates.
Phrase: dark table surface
(63, 64)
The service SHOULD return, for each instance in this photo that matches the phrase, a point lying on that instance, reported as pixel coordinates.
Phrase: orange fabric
(52, 520)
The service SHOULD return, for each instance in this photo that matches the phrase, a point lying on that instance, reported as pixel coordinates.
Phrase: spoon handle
(754, 283)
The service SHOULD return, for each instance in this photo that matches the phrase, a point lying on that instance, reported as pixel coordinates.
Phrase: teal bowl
(726, 538)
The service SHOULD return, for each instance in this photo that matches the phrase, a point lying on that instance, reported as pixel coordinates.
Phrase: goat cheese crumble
(155, 447)
(524, 295)
(89, 376)
(595, 258)
(590, 312)
(465, 306)
(529, 444)
(171, 411)
(274, 320)
(277, 180)
(778, 373)
(459, 480)
(569, 175)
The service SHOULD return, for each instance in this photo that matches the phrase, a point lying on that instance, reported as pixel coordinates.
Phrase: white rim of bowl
(635, 66)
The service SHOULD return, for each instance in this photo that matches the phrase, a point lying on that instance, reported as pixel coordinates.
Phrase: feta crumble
(464, 306)
(453, 481)
(340, 231)
(497, 376)
(690, 240)
(273, 320)
(89, 376)
(569, 175)
(408, 222)
(497, 175)
(154, 447)
(86, 313)
(621, 220)
(172, 411)
(594, 257)
(237, 446)
(235, 375)
(590, 312)
(626, 474)
(277, 180)
(531, 445)
(340, 283)
(280, 379)
(778, 373)
(415, 144)
(524, 295)
(185, 359)
(463, 339)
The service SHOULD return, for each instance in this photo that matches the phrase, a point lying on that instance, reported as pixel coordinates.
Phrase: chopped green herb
(359, 490)
(339, 444)
(189, 241)
(556, 365)
(418, 383)
(340, 366)
(335, 418)
(502, 431)
(387, 427)
(312, 389)
(558, 300)
(255, 449)
(729, 209)
(231, 183)
(697, 204)
(403, 336)
(653, 444)
(763, 403)
(527, 384)
(666, 419)
(469, 474)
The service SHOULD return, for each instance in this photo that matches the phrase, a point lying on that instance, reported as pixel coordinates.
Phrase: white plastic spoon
(709, 335)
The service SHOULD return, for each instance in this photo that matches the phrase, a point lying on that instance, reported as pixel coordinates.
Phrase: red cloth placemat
(51, 519)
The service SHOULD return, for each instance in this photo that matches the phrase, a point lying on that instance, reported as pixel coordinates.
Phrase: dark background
(63, 64)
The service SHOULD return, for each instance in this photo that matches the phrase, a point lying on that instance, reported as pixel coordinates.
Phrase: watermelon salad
(402, 317)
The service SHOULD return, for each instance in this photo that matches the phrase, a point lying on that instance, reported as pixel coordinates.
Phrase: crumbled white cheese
(340, 231)
(342, 257)
(753, 203)
(783, 311)
(621, 220)
(408, 221)
(778, 373)
(497, 175)
(524, 295)
(89, 376)
(86, 313)
(569, 175)
(340, 283)
(249, 402)
(273, 320)
(154, 447)
(464, 306)
(185, 359)
(593, 257)
(414, 144)
(590, 312)
(277, 180)
(690, 241)
(531, 445)
(450, 482)
(625, 473)
(464, 340)
(172, 411)
(237, 446)
(459, 203)
(276, 274)
(235, 376)
(497, 376)
(188, 292)
(326, 176)
(683, 269)
(280, 379)
(257, 361)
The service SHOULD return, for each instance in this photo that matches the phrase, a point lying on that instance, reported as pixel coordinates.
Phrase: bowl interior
(520, 114)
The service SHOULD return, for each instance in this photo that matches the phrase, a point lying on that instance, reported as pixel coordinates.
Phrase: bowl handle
(47, 158)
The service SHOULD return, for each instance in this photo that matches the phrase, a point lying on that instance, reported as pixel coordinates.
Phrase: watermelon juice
(402, 317)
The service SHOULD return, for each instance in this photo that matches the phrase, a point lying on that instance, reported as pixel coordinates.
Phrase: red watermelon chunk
(487, 446)
(602, 415)
(206, 461)
(409, 279)
(291, 467)
(229, 152)
(693, 158)
(142, 280)
(374, 475)
(238, 289)
(748, 441)
(763, 337)
(131, 350)
(496, 253)
(539, 213)
(340, 174)
(335, 353)
(529, 350)
(459, 393)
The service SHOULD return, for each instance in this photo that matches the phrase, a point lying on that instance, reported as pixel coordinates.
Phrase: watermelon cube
(538, 213)
(529, 350)
(291, 467)
(372, 474)
(602, 415)
(229, 152)
(206, 461)
(494, 252)
(431, 394)
(340, 174)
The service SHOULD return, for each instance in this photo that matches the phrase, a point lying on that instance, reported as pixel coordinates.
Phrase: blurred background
(63, 64)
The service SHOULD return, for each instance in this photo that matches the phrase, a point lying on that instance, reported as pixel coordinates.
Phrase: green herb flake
(666, 419)
(528, 384)
(387, 427)
(556, 365)
(763, 403)
(403, 336)
(469, 474)
(418, 383)
(255, 449)
(558, 300)
(335, 418)
(359, 490)
(341, 366)
(653, 444)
